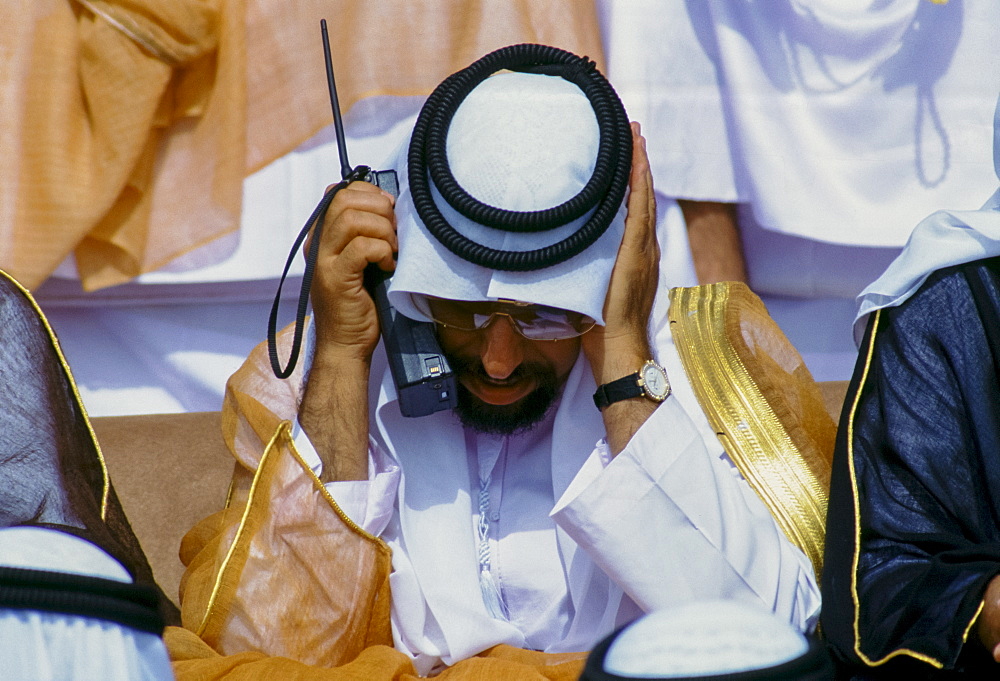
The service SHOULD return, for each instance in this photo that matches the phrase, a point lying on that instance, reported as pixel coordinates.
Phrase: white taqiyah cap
(701, 639)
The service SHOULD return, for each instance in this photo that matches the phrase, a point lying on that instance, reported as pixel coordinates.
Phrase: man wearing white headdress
(63, 613)
(524, 520)
(913, 553)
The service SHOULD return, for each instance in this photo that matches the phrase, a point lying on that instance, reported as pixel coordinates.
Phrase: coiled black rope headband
(428, 162)
(427, 155)
(131, 605)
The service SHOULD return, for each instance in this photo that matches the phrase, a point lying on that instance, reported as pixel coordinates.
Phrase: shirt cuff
(368, 503)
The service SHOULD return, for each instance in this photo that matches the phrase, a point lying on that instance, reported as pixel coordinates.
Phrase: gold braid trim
(855, 399)
(708, 323)
(252, 516)
(106, 489)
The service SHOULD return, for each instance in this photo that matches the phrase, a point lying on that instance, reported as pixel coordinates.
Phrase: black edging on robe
(921, 424)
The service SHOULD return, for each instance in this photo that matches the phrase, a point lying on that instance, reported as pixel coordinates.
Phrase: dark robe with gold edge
(918, 456)
(52, 473)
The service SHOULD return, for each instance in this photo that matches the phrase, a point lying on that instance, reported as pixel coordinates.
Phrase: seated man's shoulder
(953, 279)
(953, 290)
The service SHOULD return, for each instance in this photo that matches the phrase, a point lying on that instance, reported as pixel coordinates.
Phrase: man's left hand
(614, 349)
(621, 346)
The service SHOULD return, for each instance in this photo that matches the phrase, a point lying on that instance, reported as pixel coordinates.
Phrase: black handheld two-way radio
(424, 381)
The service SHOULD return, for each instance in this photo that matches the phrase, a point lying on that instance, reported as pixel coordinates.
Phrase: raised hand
(621, 346)
(360, 228)
(633, 281)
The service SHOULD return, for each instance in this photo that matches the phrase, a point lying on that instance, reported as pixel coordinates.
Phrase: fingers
(642, 200)
(622, 343)
(636, 273)
(640, 221)
(358, 210)
(361, 250)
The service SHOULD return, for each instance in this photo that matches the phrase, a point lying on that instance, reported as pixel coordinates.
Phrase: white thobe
(579, 542)
(841, 122)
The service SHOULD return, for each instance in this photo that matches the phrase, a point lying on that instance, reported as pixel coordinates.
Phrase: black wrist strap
(314, 223)
(622, 389)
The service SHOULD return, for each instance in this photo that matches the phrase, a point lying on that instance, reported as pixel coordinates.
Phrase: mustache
(473, 367)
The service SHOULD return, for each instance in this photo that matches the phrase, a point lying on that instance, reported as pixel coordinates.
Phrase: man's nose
(502, 348)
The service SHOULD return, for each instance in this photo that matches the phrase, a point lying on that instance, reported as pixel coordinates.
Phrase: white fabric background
(841, 123)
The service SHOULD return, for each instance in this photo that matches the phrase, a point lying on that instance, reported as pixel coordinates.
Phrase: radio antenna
(338, 122)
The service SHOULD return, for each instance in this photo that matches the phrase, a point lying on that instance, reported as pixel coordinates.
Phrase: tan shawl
(129, 125)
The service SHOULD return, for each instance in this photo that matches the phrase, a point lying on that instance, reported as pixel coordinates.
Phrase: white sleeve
(369, 503)
(671, 520)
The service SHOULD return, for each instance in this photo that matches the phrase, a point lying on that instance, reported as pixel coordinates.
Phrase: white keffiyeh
(520, 142)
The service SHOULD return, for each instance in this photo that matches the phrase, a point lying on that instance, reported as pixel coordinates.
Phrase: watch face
(654, 381)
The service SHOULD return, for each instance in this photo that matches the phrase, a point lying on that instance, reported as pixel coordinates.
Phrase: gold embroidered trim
(134, 32)
(869, 351)
(105, 492)
(240, 529)
(748, 428)
(283, 432)
(229, 492)
(968, 628)
(321, 488)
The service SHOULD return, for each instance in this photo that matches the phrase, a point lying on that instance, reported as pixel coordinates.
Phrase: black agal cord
(132, 605)
(428, 162)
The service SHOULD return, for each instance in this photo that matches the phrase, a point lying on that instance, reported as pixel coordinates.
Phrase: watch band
(650, 381)
(622, 389)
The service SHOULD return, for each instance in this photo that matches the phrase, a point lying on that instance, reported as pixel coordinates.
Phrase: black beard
(504, 419)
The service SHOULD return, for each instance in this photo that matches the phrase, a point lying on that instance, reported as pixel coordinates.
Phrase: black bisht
(51, 472)
(918, 451)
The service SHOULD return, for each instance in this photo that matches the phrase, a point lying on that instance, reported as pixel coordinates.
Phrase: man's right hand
(360, 228)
